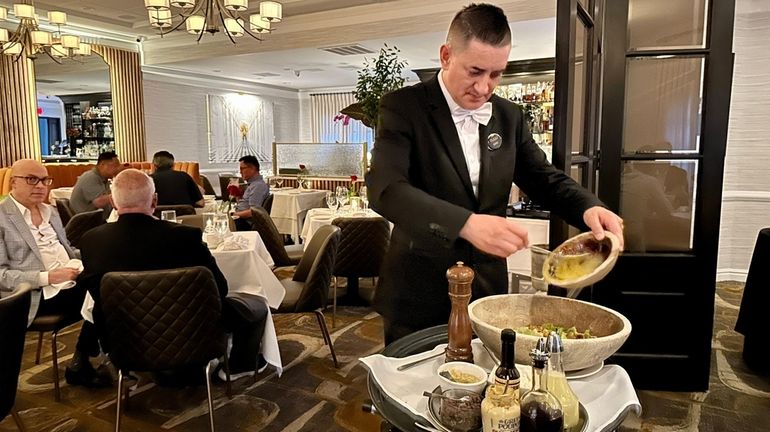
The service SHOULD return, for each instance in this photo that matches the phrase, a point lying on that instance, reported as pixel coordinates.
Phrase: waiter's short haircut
(163, 159)
(106, 156)
(484, 22)
(250, 160)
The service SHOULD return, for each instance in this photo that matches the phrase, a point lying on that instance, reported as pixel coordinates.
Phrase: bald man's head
(133, 192)
(24, 173)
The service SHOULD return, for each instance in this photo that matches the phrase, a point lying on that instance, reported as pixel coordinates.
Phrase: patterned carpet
(314, 396)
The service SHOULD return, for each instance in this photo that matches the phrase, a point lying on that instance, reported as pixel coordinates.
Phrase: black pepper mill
(459, 348)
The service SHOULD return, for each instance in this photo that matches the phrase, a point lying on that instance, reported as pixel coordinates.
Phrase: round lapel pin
(494, 141)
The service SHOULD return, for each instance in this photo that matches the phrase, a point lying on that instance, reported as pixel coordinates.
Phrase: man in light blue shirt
(255, 194)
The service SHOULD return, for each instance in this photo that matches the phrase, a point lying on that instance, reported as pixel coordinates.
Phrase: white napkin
(53, 289)
(604, 395)
(234, 243)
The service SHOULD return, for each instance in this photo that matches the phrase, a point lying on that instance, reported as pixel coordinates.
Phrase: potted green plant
(379, 76)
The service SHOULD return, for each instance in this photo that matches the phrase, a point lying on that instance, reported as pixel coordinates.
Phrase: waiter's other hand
(600, 219)
(494, 235)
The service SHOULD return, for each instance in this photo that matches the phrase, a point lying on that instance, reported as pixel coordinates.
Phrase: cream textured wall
(746, 190)
(175, 115)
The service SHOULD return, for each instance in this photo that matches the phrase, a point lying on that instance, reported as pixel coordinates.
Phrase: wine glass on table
(331, 202)
(279, 182)
(364, 199)
(342, 196)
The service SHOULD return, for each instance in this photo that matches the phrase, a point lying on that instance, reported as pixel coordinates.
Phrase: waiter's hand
(600, 219)
(494, 235)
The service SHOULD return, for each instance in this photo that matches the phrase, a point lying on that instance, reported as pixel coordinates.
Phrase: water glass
(168, 215)
(222, 224)
(208, 222)
(331, 201)
(364, 198)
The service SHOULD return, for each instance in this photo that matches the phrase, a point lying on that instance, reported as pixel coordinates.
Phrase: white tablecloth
(605, 395)
(247, 271)
(290, 206)
(318, 217)
(59, 193)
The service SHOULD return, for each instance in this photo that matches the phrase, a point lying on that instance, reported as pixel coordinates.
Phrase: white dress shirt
(468, 132)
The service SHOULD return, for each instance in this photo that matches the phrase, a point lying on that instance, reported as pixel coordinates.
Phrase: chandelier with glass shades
(30, 39)
(209, 16)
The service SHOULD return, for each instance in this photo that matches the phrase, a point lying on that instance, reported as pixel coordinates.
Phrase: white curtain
(324, 107)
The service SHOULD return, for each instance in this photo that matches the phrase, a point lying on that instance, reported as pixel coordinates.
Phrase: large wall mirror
(74, 102)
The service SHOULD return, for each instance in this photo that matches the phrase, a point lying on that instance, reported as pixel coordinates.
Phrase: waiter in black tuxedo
(446, 153)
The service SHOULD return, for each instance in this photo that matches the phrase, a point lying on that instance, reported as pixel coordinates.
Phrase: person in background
(445, 155)
(92, 189)
(174, 187)
(34, 251)
(254, 196)
(146, 243)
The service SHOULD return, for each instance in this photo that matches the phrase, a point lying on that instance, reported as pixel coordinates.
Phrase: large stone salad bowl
(490, 315)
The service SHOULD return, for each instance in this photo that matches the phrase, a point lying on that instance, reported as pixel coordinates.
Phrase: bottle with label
(500, 410)
(540, 410)
(557, 382)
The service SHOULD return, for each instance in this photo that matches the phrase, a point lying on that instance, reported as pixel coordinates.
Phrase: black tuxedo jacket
(419, 181)
(138, 242)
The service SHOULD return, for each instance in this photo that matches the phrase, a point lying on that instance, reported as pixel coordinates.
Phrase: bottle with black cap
(500, 409)
(540, 410)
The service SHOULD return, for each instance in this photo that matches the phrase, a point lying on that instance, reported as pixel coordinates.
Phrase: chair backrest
(65, 211)
(162, 319)
(82, 223)
(224, 181)
(180, 209)
(268, 204)
(315, 268)
(195, 220)
(363, 243)
(208, 189)
(263, 224)
(13, 326)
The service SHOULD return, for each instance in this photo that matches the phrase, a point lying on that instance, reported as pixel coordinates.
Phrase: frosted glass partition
(320, 159)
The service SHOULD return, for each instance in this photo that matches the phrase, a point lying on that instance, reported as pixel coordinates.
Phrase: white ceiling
(416, 27)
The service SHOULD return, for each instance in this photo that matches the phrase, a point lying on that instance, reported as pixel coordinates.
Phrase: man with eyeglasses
(92, 189)
(35, 252)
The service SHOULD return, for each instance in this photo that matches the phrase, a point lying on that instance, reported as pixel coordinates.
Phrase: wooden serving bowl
(584, 244)
(490, 315)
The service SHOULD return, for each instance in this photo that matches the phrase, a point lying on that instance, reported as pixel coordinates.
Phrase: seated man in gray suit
(35, 253)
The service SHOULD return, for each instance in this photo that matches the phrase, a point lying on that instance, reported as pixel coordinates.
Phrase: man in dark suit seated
(174, 187)
(138, 241)
(446, 153)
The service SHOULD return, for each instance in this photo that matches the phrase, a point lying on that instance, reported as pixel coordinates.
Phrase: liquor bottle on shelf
(500, 409)
(541, 411)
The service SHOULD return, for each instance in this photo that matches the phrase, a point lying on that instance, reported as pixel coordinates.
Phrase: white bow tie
(480, 115)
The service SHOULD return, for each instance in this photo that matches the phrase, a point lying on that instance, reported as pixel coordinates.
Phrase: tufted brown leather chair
(65, 211)
(14, 310)
(180, 209)
(81, 223)
(308, 289)
(162, 320)
(363, 243)
(282, 256)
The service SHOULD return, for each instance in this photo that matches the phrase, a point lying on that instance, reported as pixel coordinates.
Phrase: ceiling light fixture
(211, 16)
(29, 39)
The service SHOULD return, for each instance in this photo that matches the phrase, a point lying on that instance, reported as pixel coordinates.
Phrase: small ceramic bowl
(464, 368)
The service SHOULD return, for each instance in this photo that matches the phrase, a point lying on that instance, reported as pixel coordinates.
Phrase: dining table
(247, 268)
(318, 217)
(290, 205)
(59, 193)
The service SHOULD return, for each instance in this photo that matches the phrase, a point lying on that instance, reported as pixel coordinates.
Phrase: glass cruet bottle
(540, 410)
(557, 381)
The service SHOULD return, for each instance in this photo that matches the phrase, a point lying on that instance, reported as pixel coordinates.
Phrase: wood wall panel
(19, 135)
(127, 102)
